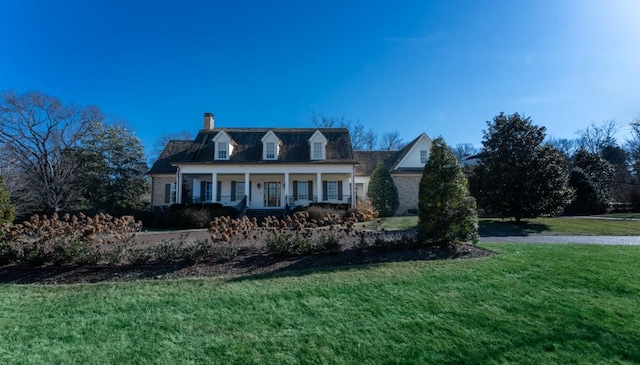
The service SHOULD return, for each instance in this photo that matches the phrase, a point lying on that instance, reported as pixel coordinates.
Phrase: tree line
(65, 157)
(56, 157)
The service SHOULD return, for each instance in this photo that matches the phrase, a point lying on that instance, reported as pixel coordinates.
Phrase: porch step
(260, 214)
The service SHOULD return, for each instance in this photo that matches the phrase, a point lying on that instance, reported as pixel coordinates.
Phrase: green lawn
(529, 304)
(544, 226)
(561, 226)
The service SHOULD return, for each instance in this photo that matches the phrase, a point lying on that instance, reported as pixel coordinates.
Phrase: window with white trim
(271, 151)
(239, 190)
(303, 191)
(332, 190)
(223, 149)
(423, 156)
(317, 151)
(207, 191)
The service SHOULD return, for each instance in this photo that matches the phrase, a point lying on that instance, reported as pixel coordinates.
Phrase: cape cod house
(271, 168)
(256, 168)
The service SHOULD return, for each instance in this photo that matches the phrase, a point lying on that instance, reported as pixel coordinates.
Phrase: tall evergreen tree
(519, 176)
(447, 211)
(383, 192)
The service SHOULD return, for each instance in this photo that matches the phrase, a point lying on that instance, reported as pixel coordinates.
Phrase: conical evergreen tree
(447, 211)
(383, 192)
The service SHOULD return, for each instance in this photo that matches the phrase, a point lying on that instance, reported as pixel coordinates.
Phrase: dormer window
(318, 146)
(223, 151)
(223, 146)
(317, 150)
(270, 146)
(271, 151)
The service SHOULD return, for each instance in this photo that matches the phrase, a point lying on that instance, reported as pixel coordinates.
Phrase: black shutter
(167, 193)
(218, 190)
(310, 187)
(203, 191)
(324, 190)
(250, 189)
(339, 190)
(233, 190)
(295, 190)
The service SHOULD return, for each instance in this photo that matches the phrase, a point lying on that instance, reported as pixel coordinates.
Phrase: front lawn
(580, 226)
(544, 226)
(528, 304)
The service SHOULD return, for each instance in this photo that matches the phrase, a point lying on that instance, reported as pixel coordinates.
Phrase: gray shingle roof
(248, 148)
(174, 151)
(368, 160)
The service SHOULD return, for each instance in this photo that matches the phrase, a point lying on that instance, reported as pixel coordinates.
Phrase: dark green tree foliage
(587, 200)
(447, 211)
(113, 173)
(7, 210)
(383, 192)
(600, 171)
(519, 176)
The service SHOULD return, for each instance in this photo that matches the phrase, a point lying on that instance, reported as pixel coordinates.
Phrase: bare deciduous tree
(567, 146)
(463, 150)
(162, 142)
(391, 141)
(595, 137)
(36, 133)
(370, 140)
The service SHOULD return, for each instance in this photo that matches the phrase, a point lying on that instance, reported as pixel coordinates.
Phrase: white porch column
(246, 186)
(286, 188)
(214, 186)
(353, 189)
(178, 186)
(319, 186)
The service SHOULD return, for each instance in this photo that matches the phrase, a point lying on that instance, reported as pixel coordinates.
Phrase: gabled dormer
(318, 146)
(223, 146)
(271, 146)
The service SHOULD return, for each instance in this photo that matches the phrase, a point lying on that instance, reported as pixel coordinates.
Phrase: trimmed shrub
(447, 212)
(383, 192)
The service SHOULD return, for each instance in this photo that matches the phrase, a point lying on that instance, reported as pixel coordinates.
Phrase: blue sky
(440, 67)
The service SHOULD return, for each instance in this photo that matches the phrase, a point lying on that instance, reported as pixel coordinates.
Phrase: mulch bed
(251, 262)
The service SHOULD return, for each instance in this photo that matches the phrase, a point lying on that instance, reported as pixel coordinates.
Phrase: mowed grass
(596, 226)
(593, 226)
(528, 304)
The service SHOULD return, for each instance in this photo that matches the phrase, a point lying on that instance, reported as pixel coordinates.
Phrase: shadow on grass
(83, 274)
(503, 228)
(248, 265)
(356, 259)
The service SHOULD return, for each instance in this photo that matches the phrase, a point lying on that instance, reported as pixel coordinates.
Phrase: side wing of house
(407, 173)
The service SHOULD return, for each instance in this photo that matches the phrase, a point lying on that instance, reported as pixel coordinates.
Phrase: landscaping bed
(250, 261)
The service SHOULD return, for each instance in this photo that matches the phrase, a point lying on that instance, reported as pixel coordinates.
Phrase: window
(423, 156)
(207, 191)
(271, 151)
(222, 151)
(239, 190)
(170, 193)
(303, 191)
(317, 151)
(332, 190)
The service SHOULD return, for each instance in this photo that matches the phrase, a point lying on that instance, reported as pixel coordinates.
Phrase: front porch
(266, 190)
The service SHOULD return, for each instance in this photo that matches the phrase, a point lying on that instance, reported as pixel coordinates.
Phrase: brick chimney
(209, 120)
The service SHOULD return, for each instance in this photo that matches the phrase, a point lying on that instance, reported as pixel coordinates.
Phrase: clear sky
(440, 67)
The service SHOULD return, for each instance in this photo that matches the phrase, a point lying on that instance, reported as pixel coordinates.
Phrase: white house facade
(256, 168)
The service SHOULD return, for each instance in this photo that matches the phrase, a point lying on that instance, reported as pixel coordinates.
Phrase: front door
(272, 194)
